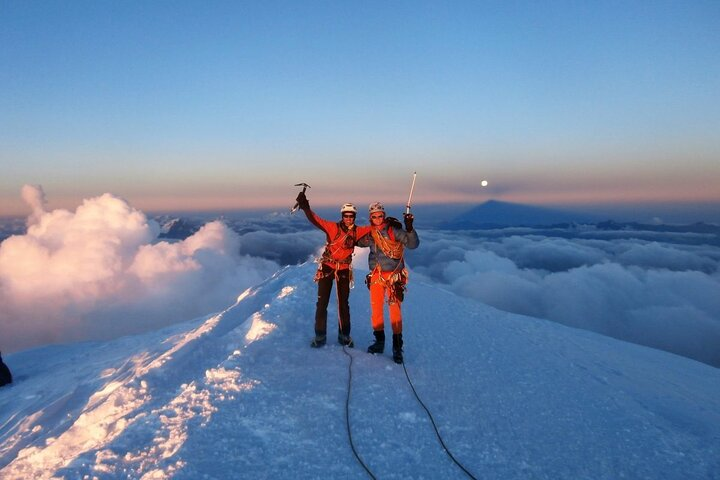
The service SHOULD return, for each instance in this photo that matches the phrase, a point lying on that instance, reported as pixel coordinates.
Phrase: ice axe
(305, 187)
(412, 187)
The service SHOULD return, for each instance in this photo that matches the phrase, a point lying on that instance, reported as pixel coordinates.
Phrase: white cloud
(97, 272)
(34, 196)
(284, 248)
(655, 255)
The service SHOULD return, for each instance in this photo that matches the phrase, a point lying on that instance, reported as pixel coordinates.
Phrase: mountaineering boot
(345, 340)
(397, 348)
(318, 341)
(379, 345)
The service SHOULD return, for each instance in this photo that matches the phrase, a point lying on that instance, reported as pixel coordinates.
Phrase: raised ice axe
(305, 187)
(412, 187)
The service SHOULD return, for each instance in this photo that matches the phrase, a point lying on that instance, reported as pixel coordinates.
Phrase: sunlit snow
(240, 394)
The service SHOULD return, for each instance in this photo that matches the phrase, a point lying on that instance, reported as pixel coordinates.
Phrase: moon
(484, 183)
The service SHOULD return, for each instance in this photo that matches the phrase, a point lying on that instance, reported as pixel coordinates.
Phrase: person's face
(377, 218)
(348, 218)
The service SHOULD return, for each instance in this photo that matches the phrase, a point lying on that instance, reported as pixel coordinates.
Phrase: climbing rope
(347, 416)
(432, 420)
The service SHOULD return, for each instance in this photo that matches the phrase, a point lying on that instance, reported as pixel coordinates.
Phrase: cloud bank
(100, 272)
(660, 295)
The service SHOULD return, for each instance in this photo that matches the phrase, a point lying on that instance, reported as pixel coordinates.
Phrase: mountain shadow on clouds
(496, 214)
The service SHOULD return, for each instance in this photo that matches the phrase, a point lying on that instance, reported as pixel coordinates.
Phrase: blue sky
(198, 105)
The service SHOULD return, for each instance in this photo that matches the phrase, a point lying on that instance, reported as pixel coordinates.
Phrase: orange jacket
(340, 241)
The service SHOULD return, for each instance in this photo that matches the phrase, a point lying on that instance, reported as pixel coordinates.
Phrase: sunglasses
(377, 216)
(348, 215)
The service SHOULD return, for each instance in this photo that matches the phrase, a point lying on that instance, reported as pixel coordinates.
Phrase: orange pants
(379, 290)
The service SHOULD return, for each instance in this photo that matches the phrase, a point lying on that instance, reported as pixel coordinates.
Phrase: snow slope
(240, 394)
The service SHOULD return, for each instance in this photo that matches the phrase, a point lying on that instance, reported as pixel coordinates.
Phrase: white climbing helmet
(349, 208)
(376, 207)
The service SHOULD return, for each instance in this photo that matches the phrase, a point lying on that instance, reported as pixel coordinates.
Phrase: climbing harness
(395, 284)
(339, 242)
(335, 266)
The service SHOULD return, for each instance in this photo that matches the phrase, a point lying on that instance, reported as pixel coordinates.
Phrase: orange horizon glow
(203, 203)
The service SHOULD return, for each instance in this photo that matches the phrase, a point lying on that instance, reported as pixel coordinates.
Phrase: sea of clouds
(104, 270)
(663, 295)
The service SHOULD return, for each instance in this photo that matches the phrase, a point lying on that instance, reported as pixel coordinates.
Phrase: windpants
(379, 291)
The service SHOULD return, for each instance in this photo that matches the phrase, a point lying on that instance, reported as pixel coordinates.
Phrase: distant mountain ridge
(177, 228)
(494, 213)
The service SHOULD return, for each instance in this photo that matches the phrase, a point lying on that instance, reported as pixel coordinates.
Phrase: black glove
(393, 222)
(302, 201)
(408, 218)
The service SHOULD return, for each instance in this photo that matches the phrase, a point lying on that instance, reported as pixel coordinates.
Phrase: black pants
(343, 293)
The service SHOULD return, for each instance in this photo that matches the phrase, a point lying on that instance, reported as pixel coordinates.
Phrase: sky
(225, 105)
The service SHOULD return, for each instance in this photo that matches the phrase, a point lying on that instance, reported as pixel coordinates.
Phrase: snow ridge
(239, 394)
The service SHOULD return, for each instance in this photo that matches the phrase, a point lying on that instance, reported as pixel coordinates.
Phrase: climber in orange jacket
(334, 265)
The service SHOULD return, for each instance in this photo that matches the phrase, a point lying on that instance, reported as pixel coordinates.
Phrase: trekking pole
(297, 205)
(412, 187)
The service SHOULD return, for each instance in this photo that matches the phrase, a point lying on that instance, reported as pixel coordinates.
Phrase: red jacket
(340, 241)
